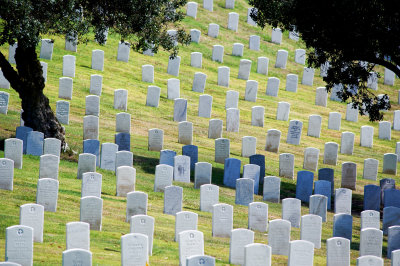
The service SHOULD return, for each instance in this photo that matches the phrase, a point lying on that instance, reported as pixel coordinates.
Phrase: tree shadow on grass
(148, 164)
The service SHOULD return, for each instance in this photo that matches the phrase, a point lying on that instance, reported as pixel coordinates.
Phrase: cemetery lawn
(105, 244)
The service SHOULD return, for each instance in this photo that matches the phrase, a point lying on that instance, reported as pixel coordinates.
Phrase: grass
(105, 245)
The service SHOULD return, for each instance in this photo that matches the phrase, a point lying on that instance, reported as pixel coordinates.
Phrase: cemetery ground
(105, 244)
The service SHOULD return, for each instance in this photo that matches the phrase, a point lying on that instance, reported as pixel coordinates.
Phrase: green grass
(105, 245)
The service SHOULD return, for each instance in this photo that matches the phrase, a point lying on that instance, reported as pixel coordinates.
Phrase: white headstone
(262, 65)
(215, 128)
(351, 113)
(96, 84)
(156, 139)
(191, 242)
(331, 153)
(308, 76)
(370, 170)
(47, 193)
(173, 66)
(148, 73)
(249, 145)
(185, 132)
(272, 87)
(232, 119)
(222, 220)
(311, 228)
(12, 151)
(69, 66)
(202, 174)
(32, 215)
(239, 239)
(257, 116)
(276, 36)
(279, 236)
(19, 245)
(314, 126)
(291, 82)
(301, 253)
(196, 59)
(209, 195)
(218, 53)
(281, 59)
(205, 105)
(213, 30)
(311, 159)
(244, 69)
(126, 179)
(91, 212)
(367, 136)
(185, 220)
(91, 184)
(65, 88)
(321, 97)
(163, 177)
(78, 235)
(237, 49)
(136, 204)
(233, 21)
(191, 10)
(300, 56)
(347, 143)
(134, 249)
(90, 127)
(86, 163)
(258, 216)
(121, 99)
(254, 42)
(153, 96)
(273, 140)
(98, 60)
(223, 76)
(334, 120)
(123, 51)
(48, 167)
(199, 82)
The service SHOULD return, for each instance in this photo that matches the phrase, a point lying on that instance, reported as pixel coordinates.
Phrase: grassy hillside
(105, 245)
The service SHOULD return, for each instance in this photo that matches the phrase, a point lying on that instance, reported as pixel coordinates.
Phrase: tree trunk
(28, 81)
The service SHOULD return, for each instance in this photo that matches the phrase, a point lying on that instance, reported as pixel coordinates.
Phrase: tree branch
(10, 74)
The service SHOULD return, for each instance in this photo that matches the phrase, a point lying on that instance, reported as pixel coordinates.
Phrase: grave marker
(126, 179)
(32, 215)
(262, 65)
(318, 206)
(13, 148)
(337, 251)
(311, 159)
(231, 172)
(331, 153)
(134, 249)
(244, 69)
(370, 219)
(91, 184)
(343, 198)
(279, 236)
(291, 211)
(163, 177)
(342, 225)
(249, 144)
(215, 128)
(148, 73)
(244, 191)
(272, 87)
(294, 132)
(258, 216)
(237, 49)
(77, 235)
(301, 252)
(136, 204)
(205, 105)
(98, 60)
(156, 139)
(34, 143)
(47, 193)
(209, 195)
(182, 168)
(144, 224)
(254, 42)
(173, 88)
(271, 189)
(286, 165)
(19, 245)
(107, 159)
(239, 239)
(48, 167)
(173, 199)
(124, 49)
(202, 174)
(222, 220)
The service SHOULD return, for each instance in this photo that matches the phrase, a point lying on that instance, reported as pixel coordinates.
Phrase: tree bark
(28, 81)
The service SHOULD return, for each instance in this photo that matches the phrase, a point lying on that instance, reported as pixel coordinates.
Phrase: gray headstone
(205, 105)
(32, 215)
(134, 249)
(199, 82)
(311, 159)
(291, 211)
(96, 84)
(78, 235)
(19, 245)
(321, 98)
(223, 76)
(107, 159)
(272, 87)
(233, 21)
(237, 49)
(215, 127)
(182, 168)
(262, 65)
(12, 150)
(300, 56)
(271, 189)
(239, 239)
(121, 99)
(52, 146)
(4, 84)
(347, 143)
(91, 212)
(232, 119)
(185, 132)
(71, 42)
(185, 220)
(349, 175)
(173, 66)
(136, 204)
(123, 51)
(195, 35)
(163, 177)
(249, 144)
(4, 98)
(213, 30)
(196, 59)
(143, 224)
(229, 4)
(343, 200)
(209, 195)
(257, 254)
(126, 179)
(389, 77)
(92, 105)
(49, 164)
(371, 242)
(390, 163)
(222, 220)
(47, 193)
(69, 66)
(294, 132)
(180, 110)
(314, 126)
(244, 69)
(370, 219)
(244, 191)
(276, 35)
(286, 165)
(279, 236)
(273, 140)
(153, 96)
(191, 242)
(65, 88)
(222, 149)
(46, 50)
(218, 53)
(331, 153)
(11, 53)
(396, 120)
(123, 123)
(343, 225)
(369, 261)
(301, 252)
(385, 128)
(44, 69)
(251, 91)
(191, 10)
(90, 127)
(249, 19)
(283, 110)
(367, 136)
(208, 5)
(91, 184)
(291, 82)
(257, 116)
(258, 216)
(281, 59)
(231, 99)
(308, 76)
(351, 113)
(148, 73)
(86, 163)
(76, 256)
(398, 150)
(98, 60)
(254, 42)
(173, 199)
(337, 251)
(318, 205)
(156, 139)
(202, 174)
(370, 170)
(334, 120)
(203, 260)
(372, 82)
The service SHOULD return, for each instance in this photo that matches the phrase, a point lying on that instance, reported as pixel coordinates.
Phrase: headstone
(4, 84)
(314, 126)
(200, 260)
(294, 132)
(248, 146)
(143, 224)
(96, 84)
(395, 257)
(91, 212)
(44, 69)
(349, 175)
(46, 50)
(123, 51)
(156, 139)
(163, 177)
(239, 239)
(215, 129)
(396, 120)
(98, 60)
(281, 59)
(391, 197)
(367, 136)
(167, 157)
(92, 146)
(223, 76)
(301, 252)
(318, 205)
(173, 66)
(343, 200)
(372, 197)
(69, 66)
(232, 119)
(279, 236)
(398, 150)
(351, 113)
(173, 88)
(291, 82)
(323, 187)
(173, 34)
(262, 65)
(286, 165)
(337, 251)
(222, 150)
(291, 211)
(191, 242)
(300, 56)
(77, 235)
(209, 195)
(328, 175)
(370, 219)
(4, 97)
(180, 110)
(393, 242)
(257, 254)
(148, 73)
(342, 225)
(369, 261)
(123, 158)
(173, 199)
(334, 120)
(90, 127)
(257, 116)
(19, 245)
(249, 18)
(331, 153)
(304, 185)
(390, 163)
(32, 215)
(205, 105)
(107, 158)
(273, 140)
(76, 256)
(126, 179)
(321, 97)
(65, 88)
(195, 35)
(251, 91)
(308, 76)
(191, 10)
(370, 170)
(372, 82)
(185, 132)
(213, 30)
(34, 143)
(196, 59)
(49, 164)
(271, 189)
(52, 146)
(182, 168)
(21, 133)
(136, 204)
(222, 220)
(123, 123)
(191, 151)
(121, 99)
(231, 172)
(208, 5)
(347, 143)
(276, 36)
(134, 249)
(386, 183)
(86, 163)
(391, 217)
(272, 87)
(91, 184)
(199, 82)
(311, 159)
(202, 174)
(385, 130)
(237, 49)
(185, 220)
(231, 99)
(254, 42)
(11, 53)
(389, 77)
(244, 69)
(153, 96)
(47, 193)
(244, 191)
(229, 4)
(92, 105)
(258, 216)
(233, 21)
(12, 150)
(283, 110)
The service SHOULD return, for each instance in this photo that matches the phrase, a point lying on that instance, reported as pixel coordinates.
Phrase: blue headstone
(21, 134)
(193, 152)
(167, 157)
(328, 175)
(244, 191)
(343, 225)
(391, 216)
(304, 186)
(391, 197)
(386, 183)
(231, 171)
(34, 143)
(123, 140)
(372, 197)
(259, 160)
(92, 146)
(323, 187)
